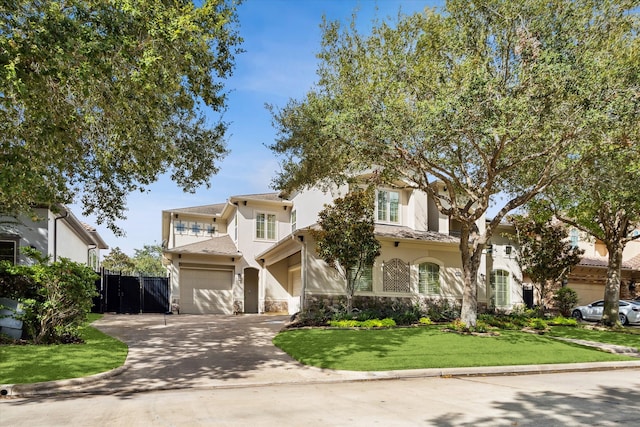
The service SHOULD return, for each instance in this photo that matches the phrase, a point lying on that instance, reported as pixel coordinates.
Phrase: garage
(206, 291)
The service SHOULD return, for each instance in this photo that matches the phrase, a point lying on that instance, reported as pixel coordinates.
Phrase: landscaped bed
(23, 364)
(432, 347)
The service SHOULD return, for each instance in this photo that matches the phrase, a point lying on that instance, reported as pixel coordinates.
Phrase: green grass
(24, 364)
(627, 337)
(427, 347)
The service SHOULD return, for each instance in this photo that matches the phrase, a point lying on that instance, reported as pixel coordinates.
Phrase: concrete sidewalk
(209, 351)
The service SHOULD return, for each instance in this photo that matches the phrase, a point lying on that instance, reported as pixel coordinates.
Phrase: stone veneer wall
(319, 302)
(276, 306)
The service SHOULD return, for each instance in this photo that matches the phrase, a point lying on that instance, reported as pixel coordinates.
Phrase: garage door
(587, 293)
(206, 291)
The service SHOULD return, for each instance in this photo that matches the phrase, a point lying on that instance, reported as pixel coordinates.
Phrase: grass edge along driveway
(26, 364)
(428, 347)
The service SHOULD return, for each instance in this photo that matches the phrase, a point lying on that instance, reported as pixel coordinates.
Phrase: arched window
(429, 278)
(500, 287)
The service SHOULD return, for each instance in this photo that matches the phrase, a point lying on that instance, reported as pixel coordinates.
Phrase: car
(629, 311)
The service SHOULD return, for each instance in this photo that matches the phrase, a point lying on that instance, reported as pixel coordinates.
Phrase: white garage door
(206, 291)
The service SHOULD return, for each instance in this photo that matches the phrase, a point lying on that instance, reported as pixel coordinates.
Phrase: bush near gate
(56, 297)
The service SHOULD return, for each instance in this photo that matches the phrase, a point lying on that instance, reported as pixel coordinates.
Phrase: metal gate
(131, 294)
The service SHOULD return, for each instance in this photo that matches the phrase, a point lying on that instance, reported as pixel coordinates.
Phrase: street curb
(63, 386)
(53, 387)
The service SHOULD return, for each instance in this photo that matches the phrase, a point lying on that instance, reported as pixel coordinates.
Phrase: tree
(544, 253)
(148, 261)
(117, 260)
(100, 97)
(603, 198)
(484, 100)
(346, 239)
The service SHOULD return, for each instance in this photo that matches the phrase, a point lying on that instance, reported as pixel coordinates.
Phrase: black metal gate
(131, 294)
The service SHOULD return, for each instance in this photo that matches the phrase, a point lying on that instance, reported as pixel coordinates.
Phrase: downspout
(55, 234)
(303, 273)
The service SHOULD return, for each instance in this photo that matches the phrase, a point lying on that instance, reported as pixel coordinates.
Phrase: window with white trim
(265, 226)
(294, 219)
(388, 206)
(364, 283)
(574, 237)
(429, 278)
(500, 287)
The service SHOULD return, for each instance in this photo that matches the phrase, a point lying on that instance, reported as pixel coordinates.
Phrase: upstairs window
(195, 228)
(429, 278)
(574, 237)
(180, 227)
(294, 219)
(388, 206)
(265, 226)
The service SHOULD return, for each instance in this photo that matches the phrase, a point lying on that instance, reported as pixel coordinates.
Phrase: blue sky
(282, 38)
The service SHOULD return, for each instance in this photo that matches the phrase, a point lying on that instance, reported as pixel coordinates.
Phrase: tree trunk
(470, 266)
(612, 288)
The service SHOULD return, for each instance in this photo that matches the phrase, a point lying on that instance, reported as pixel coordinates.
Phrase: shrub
(425, 321)
(367, 324)
(565, 299)
(538, 324)
(442, 310)
(56, 301)
(563, 321)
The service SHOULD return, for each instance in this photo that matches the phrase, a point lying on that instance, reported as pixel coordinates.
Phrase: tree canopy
(544, 254)
(487, 98)
(100, 97)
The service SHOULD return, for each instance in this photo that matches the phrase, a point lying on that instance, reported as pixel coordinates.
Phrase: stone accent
(276, 306)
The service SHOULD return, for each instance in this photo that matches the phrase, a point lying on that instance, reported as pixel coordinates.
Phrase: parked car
(629, 311)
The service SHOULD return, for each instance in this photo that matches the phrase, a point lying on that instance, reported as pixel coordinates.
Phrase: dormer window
(388, 206)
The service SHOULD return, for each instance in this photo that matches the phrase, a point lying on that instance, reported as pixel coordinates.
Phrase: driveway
(210, 351)
(186, 351)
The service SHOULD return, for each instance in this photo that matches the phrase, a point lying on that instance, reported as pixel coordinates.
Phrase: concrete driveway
(211, 351)
(186, 351)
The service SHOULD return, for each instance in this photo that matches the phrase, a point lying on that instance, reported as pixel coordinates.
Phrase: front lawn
(427, 347)
(23, 364)
(627, 336)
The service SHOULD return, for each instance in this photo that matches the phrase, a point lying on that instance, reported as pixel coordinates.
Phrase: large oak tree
(100, 97)
(483, 99)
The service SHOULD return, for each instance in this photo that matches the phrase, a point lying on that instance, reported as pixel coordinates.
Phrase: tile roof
(402, 232)
(222, 245)
(273, 197)
(214, 209)
(630, 264)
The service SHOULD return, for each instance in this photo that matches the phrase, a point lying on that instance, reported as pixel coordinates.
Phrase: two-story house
(255, 254)
(588, 278)
(56, 234)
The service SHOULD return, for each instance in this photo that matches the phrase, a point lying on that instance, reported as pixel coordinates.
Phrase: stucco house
(57, 234)
(255, 254)
(588, 278)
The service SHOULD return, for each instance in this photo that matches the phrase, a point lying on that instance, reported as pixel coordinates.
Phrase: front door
(295, 290)
(251, 290)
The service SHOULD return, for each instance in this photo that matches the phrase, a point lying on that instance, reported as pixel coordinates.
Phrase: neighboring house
(55, 234)
(255, 254)
(588, 278)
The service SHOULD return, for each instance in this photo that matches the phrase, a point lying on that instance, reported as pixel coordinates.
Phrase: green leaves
(100, 97)
(346, 239)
